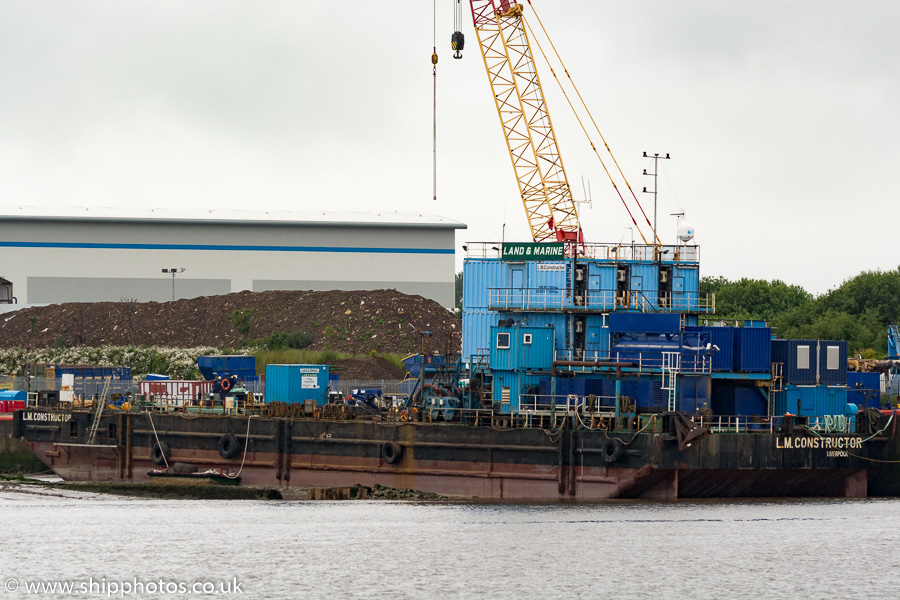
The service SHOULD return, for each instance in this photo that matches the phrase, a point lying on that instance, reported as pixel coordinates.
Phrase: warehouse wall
(59, 261)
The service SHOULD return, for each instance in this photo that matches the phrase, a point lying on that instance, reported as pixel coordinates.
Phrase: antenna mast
(655, 172)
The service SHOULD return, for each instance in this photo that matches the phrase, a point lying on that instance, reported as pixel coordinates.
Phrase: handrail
(647, 362)
(605, 251)
(558, 299)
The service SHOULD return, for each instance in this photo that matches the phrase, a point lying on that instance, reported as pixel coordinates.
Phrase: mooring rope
(158, 443)
(246, 444)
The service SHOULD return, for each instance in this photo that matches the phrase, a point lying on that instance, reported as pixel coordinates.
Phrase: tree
(858, 311)
(753, 298)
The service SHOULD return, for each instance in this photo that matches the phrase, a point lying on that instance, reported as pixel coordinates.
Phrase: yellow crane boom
(522, 108)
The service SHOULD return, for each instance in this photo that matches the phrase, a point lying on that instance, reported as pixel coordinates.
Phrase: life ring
(225, 384)
(228, 446)
(159, 454)
(391, 452)
(612, 450)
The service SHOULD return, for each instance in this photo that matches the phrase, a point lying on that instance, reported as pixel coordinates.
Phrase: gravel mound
(358, 322)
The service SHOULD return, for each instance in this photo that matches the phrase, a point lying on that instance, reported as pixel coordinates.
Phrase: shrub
(298, 340)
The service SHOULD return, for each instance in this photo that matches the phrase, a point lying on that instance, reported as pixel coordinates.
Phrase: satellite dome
(685, 231)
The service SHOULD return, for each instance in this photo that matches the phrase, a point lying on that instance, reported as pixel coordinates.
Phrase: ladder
(98, 411)
(670, 368)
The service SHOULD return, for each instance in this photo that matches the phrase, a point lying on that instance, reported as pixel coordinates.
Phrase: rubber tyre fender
(391, 452)
(160, 454)
(228, 446)
(612, 450)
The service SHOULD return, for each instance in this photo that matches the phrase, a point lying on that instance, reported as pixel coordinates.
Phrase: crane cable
(625, 179)
(587, 135)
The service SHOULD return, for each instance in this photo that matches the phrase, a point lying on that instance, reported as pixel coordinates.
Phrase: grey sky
(781, 117)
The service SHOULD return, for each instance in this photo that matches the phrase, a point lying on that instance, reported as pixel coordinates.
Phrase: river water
(108, 546)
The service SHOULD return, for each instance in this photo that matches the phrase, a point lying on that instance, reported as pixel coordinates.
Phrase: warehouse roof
(244, 217)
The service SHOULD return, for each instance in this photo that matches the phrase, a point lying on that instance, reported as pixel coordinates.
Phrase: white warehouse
(101, 254)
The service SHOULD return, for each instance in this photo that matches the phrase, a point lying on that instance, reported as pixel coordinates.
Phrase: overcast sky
(781, 117)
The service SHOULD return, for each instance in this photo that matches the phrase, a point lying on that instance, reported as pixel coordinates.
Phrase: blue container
(749, 402)
(694, 393)
(234, 364)
(157, 377)
(811, 400)
(833, 362)
(724, 339)
(864, 389)
(297, 383)
(13, 395)
(623, 322)
(752, 349)
(647, 394)
(799, 358)
(122, 373)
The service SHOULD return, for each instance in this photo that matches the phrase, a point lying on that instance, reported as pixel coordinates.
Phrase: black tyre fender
(391, 452)
(228, 446)
(612, 450)
(160, 453)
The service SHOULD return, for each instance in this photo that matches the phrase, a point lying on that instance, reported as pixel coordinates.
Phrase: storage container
(724, 339)
(752, 349)
(864, 389)
(621, 322)
(178, 389)
(833, 362)
(799, 359)
(297, 383)
(811, 400)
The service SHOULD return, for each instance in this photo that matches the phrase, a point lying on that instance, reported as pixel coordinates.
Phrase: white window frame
(501, 333)
(526, 339)
(832, 358)
(803, 355)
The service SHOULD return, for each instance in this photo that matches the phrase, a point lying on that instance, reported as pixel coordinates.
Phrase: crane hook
(457, 42)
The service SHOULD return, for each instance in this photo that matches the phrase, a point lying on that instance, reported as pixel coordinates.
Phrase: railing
(826, 424)
(642, 362)
(570, 404)
(82, 387)
(665, 254)
(558, 299)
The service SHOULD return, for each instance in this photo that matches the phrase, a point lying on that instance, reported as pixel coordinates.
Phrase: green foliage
(753, 298)
(180, 363)
(859, 310)
(240, 319)
(297, 340)
(60, 342)
(288, 356)
(458, 289)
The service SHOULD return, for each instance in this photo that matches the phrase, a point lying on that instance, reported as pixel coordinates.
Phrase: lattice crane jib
(519, 99)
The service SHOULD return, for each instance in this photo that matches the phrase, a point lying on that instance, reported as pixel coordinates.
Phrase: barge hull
(449, 459)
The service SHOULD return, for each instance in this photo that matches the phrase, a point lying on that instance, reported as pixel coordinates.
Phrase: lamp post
(173, 271)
